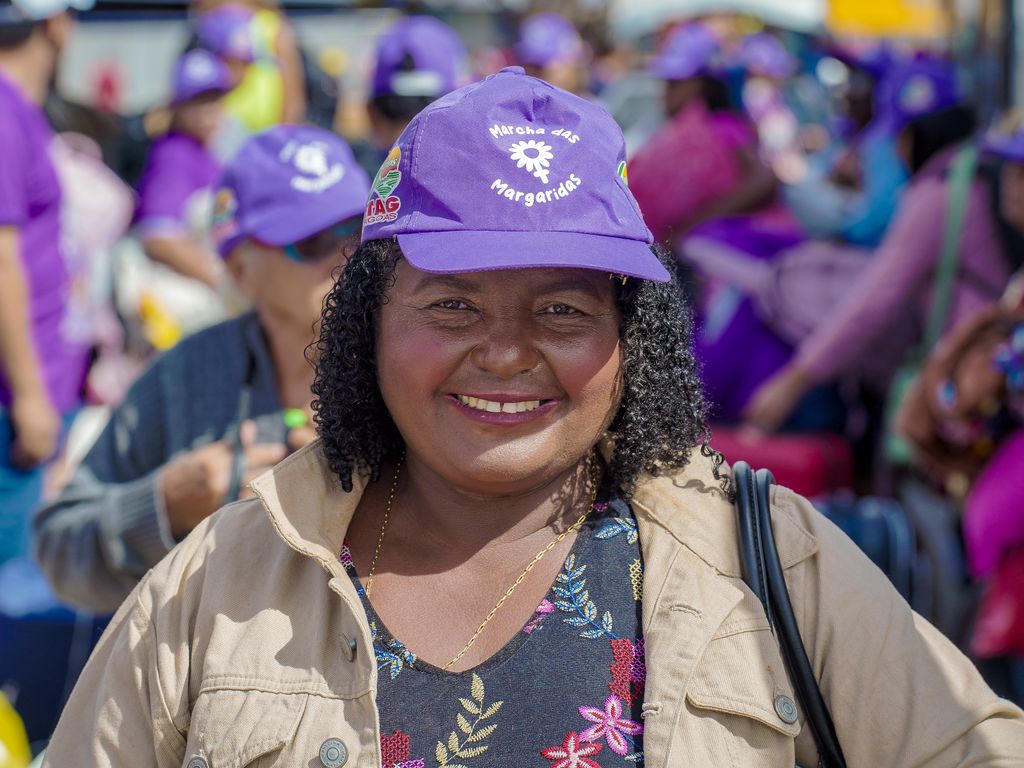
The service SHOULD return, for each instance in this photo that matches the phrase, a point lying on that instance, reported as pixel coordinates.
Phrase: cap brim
(1006, 148)
(476, 251)
(188, 95)
(286, 226)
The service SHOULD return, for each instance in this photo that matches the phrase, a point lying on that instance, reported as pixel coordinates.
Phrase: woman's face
(201, 117)
(679, 94)
(500, 381)
(1011, 202)
(281, 286)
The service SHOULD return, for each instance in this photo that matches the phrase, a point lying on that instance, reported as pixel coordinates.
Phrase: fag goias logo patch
(383, 205)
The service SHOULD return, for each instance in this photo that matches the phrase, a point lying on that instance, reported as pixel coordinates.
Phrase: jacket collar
(311, 512)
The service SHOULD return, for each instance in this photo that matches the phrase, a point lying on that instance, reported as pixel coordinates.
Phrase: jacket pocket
(241, 728)
(742, 674)
(740, 710)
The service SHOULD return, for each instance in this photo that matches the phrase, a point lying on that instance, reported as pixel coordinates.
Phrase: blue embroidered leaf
(606, 622)
(592, 634)
(562, 578)
(575, 621)
(609, 530)
(564, 605)
(631, 539)
(590, 611)
(583, 598)
(636, 757)
(577, 586)
(562, 592)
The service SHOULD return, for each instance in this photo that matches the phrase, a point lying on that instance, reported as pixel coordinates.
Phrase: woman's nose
(507, 347)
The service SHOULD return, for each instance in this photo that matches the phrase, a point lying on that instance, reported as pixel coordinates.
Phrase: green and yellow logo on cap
(388, 176)
(622, 172)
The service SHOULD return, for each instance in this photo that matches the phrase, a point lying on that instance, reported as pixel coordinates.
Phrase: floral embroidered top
(565, 692)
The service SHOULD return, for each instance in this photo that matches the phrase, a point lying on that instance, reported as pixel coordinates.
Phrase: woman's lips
(502, 409)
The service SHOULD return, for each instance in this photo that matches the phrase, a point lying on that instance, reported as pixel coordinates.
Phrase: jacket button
(785, 708)
(333, 753)
(198, 762)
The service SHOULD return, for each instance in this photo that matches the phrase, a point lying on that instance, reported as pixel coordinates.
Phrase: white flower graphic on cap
(311, 159)
(535, 156)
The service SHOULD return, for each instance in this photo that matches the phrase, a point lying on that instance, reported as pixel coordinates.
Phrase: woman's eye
(452, 304)
(561, 309)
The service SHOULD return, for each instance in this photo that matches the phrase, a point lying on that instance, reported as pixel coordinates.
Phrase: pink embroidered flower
(610, 725)
(417, 763)
(546, 607)
(573, 753)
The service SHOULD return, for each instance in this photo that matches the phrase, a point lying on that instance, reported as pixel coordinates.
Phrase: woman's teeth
(492, 407)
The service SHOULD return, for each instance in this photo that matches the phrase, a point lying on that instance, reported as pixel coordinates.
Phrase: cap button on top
(785, 708)
(513, 71)
(333, 753)
(198, 762)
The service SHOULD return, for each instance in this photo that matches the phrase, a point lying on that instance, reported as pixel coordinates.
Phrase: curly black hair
(661, 416)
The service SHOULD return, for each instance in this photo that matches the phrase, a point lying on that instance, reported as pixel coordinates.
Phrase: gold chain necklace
(519, 579)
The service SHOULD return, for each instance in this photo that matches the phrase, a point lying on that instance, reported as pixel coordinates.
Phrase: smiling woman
(511, 545)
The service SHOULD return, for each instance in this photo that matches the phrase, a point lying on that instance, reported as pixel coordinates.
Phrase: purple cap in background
(197, 72)
(691, 49)
(548, 38)
(764, 54)
(507, 173)
(918, 87)
(436, 55)
(227, 31)
(1008, 145)
(286, 184)
(874, 58)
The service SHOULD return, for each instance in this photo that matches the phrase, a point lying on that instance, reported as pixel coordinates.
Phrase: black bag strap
(762, 571)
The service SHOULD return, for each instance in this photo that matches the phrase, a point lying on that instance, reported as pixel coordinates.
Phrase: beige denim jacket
(248, 646)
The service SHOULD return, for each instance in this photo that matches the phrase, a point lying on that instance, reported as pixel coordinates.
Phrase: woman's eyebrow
(451, 282)
(568, 285)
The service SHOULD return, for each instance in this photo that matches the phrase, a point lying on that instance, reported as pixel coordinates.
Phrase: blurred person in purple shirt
(41, 368)
(228, 402)
(176, 188)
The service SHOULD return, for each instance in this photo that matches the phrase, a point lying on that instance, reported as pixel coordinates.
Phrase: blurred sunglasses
(325, 243)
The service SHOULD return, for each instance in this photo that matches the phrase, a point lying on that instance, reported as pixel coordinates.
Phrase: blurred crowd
(850, 234)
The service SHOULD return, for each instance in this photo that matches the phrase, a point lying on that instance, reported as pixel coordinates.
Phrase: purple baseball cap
(198, 72)
(764, 54)
(419, 56)
(1008, 145)
(691, 49)
(548, 38)
(507, 173)
(918, 87)
(227, 31)
(286, 184)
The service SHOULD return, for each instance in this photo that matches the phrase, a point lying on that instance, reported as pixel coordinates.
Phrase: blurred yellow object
(333, 61)
(160, 328)
(258, 101)
(888, 18)
(14, 750)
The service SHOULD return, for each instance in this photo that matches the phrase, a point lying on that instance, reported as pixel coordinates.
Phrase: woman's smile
(503, 410)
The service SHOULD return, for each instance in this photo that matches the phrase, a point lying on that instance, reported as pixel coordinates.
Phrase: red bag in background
(999, 627)
(811, 465)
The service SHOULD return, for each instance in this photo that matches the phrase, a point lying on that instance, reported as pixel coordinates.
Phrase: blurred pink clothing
(688, 164)
(897, 286)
